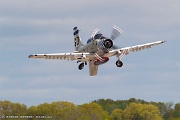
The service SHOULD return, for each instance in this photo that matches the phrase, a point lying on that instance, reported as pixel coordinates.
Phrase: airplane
(97, 50)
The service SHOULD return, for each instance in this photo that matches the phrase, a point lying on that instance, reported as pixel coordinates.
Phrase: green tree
(174, 119)
(108, 104)
(142, 112)
(116, 114)
(43, 110)
(176, 112)
(8, 109)
(18, 109)
(92, 111)
(5, 107)
(32, 111)
(63, 111)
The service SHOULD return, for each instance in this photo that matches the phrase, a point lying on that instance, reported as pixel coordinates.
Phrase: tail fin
(77, 39)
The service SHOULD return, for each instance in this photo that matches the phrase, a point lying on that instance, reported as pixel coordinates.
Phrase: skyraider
(97, 50)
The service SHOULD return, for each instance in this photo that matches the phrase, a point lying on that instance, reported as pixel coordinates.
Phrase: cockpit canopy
(97, 36)
(89, 40)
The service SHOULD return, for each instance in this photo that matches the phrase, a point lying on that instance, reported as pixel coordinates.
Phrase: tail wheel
(81, 66)
(119, 63)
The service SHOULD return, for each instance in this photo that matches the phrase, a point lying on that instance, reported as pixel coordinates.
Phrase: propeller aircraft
(96, 51)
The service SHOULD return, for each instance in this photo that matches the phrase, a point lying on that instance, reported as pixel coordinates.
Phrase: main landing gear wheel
(119, 63)
(81, 66)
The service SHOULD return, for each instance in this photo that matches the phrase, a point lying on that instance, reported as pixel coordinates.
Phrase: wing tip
(33, 56)
(30, 56)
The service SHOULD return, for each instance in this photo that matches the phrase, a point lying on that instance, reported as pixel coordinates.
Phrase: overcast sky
(45, 26)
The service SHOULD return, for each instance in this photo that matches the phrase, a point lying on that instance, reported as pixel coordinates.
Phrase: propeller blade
(116, 32)
(95, 32)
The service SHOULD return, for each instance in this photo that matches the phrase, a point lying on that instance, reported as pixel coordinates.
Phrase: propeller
(116, 32)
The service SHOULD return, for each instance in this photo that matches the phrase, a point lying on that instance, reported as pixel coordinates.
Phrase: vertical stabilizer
(93, 69)
(77, 39)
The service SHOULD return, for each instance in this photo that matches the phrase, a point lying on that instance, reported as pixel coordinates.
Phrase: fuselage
(99, 44)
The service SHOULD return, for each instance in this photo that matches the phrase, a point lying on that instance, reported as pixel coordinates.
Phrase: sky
(46, 26)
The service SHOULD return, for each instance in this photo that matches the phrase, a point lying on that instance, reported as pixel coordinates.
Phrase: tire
(119, 63)
(81, 66)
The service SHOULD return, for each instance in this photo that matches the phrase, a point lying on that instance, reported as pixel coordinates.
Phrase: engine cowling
(104, 45)
(102, 61)
(108, 43)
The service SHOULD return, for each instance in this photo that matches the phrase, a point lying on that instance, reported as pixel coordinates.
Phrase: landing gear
(81, 66)
(119, 63)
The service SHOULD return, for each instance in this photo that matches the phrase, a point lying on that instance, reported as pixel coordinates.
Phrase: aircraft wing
(65, 56)
(126, 50)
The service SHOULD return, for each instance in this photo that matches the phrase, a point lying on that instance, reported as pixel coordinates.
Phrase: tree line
(101, 109)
